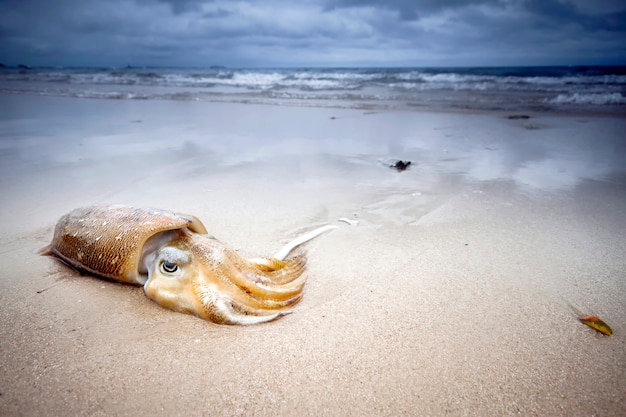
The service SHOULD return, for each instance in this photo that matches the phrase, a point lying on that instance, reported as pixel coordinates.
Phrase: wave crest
(591, 98)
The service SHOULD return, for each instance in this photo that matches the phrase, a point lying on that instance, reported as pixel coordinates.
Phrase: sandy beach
(450, 297)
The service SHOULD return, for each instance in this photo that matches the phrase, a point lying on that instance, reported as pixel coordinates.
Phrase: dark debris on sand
(400, 165)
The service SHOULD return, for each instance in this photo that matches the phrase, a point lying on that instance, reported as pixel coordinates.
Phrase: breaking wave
(593, 98)
(457, 87)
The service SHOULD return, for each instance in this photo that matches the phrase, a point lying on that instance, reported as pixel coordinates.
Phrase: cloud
(311, 32)
(182, 6)
(408, 9)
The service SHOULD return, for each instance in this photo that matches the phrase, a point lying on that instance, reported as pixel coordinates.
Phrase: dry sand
(450, 297)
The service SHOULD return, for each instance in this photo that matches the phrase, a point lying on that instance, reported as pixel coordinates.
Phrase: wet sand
(450, 296)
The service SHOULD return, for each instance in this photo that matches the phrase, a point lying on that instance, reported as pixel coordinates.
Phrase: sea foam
(591, 98)
(480, 88)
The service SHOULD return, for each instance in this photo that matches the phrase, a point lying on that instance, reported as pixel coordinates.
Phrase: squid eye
(169, 267)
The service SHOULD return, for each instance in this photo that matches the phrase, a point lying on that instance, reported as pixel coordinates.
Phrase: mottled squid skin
(179, 265)
(217, 284)
(109, 241)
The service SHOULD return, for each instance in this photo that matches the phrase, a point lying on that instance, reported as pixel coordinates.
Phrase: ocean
(593, 88)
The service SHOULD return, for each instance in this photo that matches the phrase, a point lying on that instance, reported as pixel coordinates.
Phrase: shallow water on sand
(539, 153)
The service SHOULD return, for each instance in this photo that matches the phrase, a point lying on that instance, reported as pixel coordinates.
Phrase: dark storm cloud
(181, 6)
(312, 32)
(548, 11)
(553, 12)
(408, 9)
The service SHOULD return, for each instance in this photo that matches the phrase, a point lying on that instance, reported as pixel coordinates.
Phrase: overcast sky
(262, 33)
